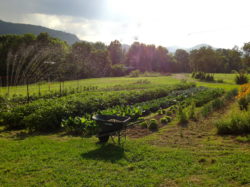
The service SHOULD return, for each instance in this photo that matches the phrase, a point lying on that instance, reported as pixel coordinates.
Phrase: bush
(243, 103)
(206, 110)
(239, 123)
(231, 94)
(118, 70)
(144, 124)
(152, 125)
(243, 139)
(164, 120)
(202, 76)
(217, 103)
(220, 81)
(241, 78)
(135, 73)
(191, 111)
(181, 115)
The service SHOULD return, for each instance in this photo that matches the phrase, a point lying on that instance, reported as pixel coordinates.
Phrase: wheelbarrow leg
(103, 139)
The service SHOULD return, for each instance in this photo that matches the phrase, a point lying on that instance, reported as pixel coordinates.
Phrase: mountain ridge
(19, 28)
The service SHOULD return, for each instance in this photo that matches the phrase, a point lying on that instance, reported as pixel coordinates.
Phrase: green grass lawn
(126, 82)
(101, 83)
(52, 160)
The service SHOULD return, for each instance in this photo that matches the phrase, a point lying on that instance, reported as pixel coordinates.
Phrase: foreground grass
(43, 160)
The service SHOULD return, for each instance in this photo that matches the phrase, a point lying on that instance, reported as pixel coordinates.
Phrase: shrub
(209, 78)
(239, 123)
(241, 78)
(191, 111)
(243, 103)
(206, 110)
(243, 139)
(181, 115)
(217, 103)
(152, 125)
(164, 120)
(231, 94)
(220, 81)
(134, 73)
(144, 124)
(202, 76)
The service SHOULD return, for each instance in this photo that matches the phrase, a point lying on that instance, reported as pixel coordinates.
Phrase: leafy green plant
(243, 103)
(152, 124)
(144, 124)
(134, 73)
(243, 139)
(207, 109)
(191, 111)
(238, 123)
(217, 103)
(80, 126)
(241, 78)
(164, 120)
(181, 115)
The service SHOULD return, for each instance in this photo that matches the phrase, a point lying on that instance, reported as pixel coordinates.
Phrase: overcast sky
(184, 23)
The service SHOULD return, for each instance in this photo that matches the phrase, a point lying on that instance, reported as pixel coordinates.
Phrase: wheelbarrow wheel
(103, 139)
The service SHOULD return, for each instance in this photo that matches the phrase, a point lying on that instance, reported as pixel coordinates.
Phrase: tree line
(29, 58)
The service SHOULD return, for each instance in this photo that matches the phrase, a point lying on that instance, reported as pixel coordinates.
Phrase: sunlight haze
(180, 23)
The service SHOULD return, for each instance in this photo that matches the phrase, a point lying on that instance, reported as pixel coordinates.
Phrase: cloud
(221, 23)
(89, 9)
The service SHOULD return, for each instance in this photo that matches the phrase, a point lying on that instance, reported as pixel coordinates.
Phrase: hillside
(16, 28)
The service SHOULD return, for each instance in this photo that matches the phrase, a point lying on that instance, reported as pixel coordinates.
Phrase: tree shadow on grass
(109, 152)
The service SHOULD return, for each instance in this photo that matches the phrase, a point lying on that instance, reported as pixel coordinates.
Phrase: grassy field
(193, 155)
(126, 82)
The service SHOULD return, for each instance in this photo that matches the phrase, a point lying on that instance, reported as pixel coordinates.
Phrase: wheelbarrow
(109, 126)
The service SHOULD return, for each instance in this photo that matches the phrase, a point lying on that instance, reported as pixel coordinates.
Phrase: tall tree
(182, 59)
(115, 52)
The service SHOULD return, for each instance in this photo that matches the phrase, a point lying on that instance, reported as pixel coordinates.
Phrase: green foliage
(165, 119)
(134, 73)
(118, 70)
(220, 81)
(144, 124)
(217, 103)
(79, 126)
(44, 115)
(152, 124)
(181, 115)
(243, 103)
(241, 78)
(238, 123)
(202, 76)
(191, 111)
(243, 139)
(231, 94)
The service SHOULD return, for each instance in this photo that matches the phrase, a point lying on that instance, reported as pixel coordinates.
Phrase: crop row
(183, 98)
(48, 114)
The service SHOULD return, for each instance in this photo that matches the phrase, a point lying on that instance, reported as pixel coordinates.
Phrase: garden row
(197, 95)
(46, 115)
(61, 92)
(238, 122)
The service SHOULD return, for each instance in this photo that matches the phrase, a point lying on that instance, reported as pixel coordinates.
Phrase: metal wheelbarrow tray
(110, 125)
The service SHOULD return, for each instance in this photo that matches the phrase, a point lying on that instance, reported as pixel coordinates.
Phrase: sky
(182, 23)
